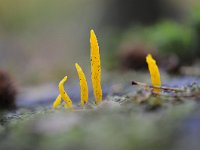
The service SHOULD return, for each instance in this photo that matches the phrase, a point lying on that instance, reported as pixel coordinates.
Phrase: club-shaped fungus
(95, 67)
(154, 72)
(83, 85)
(63, 95)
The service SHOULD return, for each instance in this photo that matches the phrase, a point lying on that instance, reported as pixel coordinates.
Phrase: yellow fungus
(154, 72)
(63, 94)
(83, 85)
(95, 67)
(66, 106)
(57, 101)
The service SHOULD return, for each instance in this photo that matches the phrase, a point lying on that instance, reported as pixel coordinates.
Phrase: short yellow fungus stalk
(83, 85)
(57, 101)
(95, 67)
(63, 94)
(154, 72)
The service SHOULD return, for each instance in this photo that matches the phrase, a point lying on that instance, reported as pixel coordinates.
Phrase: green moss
(171, 37)
(167, 37)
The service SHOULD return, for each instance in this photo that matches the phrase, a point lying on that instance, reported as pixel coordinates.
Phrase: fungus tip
(91, 31)
(154, 72)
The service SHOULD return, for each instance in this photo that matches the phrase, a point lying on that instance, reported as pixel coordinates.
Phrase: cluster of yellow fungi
(95, 77)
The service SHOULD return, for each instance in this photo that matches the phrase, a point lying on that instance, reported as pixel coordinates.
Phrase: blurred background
(40, 40)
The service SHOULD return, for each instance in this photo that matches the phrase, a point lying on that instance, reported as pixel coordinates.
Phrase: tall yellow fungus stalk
(83, 85)
(154, 72)
(95, 67)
